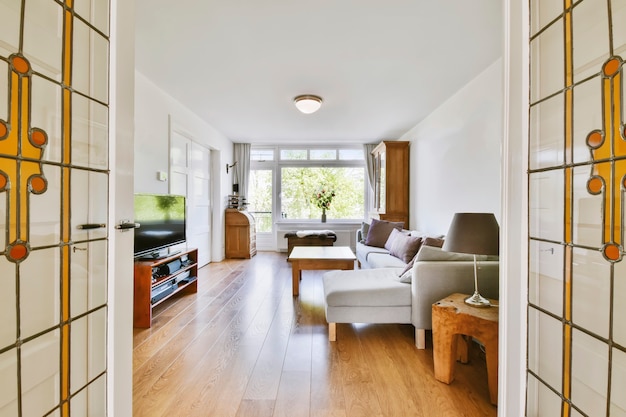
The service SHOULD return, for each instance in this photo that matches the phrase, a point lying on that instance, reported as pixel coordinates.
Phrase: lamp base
(477, 300)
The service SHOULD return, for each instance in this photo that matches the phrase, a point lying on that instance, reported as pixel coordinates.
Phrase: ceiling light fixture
(308, 103)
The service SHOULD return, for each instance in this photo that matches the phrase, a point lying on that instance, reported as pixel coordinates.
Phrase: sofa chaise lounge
(386, 295)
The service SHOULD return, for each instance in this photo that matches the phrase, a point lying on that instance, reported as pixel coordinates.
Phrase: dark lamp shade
(473, 233)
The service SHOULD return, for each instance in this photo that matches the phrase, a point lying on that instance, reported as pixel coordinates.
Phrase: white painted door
(190, 176)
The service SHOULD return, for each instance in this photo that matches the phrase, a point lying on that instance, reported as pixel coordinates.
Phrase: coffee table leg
(295, 277)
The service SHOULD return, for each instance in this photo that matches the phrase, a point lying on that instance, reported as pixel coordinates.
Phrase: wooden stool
(453, 318)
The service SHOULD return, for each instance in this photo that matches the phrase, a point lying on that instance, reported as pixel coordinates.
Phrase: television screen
(162, 223)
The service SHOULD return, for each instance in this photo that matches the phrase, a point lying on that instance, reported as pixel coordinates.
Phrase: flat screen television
(162, 224)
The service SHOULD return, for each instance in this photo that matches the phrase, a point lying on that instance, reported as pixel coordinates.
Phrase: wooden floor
(244, 346)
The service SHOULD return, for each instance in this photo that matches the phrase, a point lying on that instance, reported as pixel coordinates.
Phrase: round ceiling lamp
(308, 103)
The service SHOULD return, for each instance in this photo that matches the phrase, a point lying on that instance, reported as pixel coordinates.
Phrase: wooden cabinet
(158, 280)
(240, 234)
(391, 185)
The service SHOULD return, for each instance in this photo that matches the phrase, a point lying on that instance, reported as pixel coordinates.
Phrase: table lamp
(475, 234)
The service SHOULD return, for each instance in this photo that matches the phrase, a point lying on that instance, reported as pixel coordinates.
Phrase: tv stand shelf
(159, 279)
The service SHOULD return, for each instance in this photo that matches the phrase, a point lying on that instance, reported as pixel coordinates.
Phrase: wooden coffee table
(318, 258)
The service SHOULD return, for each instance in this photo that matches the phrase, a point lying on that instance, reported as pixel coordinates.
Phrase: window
(300, 184)
(260, 198)
(261, 154)
(299, 173)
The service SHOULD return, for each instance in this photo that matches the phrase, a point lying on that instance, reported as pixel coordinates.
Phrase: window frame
(277, 164)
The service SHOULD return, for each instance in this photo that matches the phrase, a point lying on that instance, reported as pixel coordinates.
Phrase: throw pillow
(407, 276)
(395, 233)
(379, 232)
(365, 227)
(433, 241)
(407, 272)
(405, 247)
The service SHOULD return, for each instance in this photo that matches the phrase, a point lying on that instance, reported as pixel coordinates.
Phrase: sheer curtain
(241, 154)
(369, 162)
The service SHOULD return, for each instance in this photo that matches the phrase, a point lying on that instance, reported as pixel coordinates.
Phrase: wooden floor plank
(244, 346)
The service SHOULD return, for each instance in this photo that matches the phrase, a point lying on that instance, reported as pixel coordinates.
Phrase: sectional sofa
(388, 289)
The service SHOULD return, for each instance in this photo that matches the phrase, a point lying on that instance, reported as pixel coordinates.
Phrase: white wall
(466, 133)
(153, 110)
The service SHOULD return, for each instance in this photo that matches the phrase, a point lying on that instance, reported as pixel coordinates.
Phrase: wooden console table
(453, 318)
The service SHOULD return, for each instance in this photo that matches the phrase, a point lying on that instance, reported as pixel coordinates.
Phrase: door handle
(127, 224)
(89, 226)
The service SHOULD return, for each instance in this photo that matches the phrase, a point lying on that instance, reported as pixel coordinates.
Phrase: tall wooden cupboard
(391, 185)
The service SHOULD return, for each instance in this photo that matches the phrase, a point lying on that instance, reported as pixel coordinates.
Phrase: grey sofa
(374, 257)
(378, 295)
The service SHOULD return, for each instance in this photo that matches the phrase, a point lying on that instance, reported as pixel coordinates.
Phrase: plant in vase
(322, 199)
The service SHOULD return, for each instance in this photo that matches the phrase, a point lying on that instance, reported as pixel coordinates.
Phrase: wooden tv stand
(154, 283)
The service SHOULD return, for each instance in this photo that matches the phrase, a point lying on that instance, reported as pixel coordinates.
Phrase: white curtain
(241, 153)
(369, 162)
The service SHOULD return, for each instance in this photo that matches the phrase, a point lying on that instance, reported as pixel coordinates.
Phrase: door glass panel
(40, 374)
(89, 70)
(541, 401)
(619, 306)
(546, 199)
(88, 348)
(546, 133)
(39, 296)
(95, 12)
(545, 287)
(43, 37)
(591, 291)
(587, 116)
(547, 54)
(589, 374)
(8, 330)
(545, 341)
(8, 376)
(618, 385)
(9, 31)
(589, 20)
(89, 204)
(46, 113)
(89, 133)
(260, 199)
(45, 210)
(88, 276)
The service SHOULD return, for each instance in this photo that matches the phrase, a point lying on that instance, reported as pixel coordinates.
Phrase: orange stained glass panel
(595, 185)
(20, 64)
(611, 67)
(595, 139)
(38, 137)
(38, 184)
(18, 252)
(612, 252)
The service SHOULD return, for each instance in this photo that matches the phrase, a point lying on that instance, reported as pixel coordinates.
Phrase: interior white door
(190, 168)
(199, 206)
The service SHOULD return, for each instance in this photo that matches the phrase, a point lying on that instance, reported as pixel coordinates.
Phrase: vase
(323, 215)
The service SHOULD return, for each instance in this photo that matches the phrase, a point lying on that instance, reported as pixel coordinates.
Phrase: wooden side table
(453, 318)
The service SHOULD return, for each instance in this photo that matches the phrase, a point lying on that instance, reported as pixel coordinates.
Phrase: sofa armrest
(434, 280)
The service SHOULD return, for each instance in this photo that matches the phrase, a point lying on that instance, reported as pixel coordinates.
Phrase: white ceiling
(380, 66)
